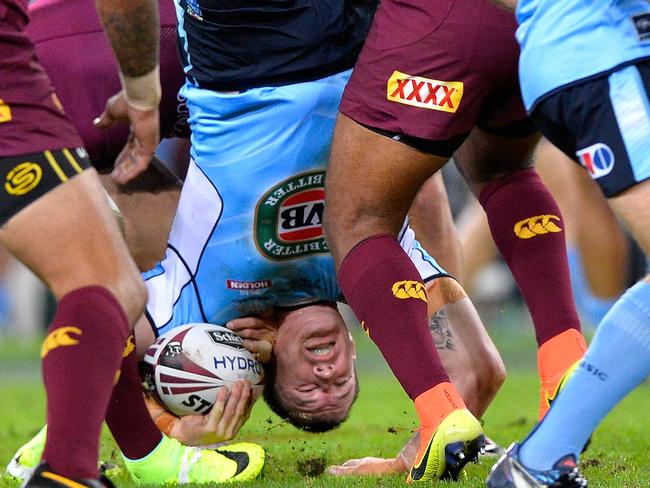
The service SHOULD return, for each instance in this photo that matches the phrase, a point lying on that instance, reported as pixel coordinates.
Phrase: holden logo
(289, 218)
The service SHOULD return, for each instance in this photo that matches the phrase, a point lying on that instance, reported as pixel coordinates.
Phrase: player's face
(315, 361)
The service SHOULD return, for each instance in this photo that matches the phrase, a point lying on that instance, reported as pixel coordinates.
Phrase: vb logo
(59, 337)
(23, 178)
(535, 226)
(409, 289)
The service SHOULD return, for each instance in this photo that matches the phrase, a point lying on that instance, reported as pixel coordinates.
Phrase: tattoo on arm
(440, 331)
(133, 29)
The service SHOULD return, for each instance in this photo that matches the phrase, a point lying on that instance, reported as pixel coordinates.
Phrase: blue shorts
(603, 124)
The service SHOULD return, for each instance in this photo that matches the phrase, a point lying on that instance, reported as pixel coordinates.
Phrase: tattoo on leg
(440, 331)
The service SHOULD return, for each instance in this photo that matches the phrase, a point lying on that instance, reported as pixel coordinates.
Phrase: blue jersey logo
(598, 159)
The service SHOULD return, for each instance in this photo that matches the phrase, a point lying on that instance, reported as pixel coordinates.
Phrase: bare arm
(133, 28)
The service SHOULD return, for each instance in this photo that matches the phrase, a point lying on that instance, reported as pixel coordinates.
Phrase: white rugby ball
(186, 366)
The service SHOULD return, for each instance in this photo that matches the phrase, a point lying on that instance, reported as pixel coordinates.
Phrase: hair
(313, 423)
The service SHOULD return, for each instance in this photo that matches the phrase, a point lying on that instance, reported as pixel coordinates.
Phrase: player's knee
(131, 292)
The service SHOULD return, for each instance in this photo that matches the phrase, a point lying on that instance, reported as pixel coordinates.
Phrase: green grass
(379, 424)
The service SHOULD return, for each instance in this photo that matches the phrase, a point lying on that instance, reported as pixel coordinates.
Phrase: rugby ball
(186, 366)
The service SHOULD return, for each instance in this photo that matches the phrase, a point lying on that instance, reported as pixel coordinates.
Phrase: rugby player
(75, 54)
(486, 369)
(585, 77)
(56, 220)
(436, 79)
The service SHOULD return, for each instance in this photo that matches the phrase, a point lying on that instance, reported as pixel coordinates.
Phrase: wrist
(142, 92)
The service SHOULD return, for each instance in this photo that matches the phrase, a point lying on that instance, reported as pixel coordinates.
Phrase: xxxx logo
(409, 289)
(424, 92)
(59, 337)
(289, 218)
(23, 178)
(5, 112)
(535, 226)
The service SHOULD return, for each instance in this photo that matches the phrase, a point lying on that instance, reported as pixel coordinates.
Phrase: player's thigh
(633, 206)
(147, 206)
(431, 218)
(70, 239)
(371, 182)
(485, 156)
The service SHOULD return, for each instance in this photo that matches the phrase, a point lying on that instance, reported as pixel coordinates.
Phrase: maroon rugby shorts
(73, 49)
(433, 70)
(39, 147)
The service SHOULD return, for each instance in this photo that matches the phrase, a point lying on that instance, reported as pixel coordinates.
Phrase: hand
(259, 334)
(368, 465)
(222, 423)
(143, 140)
(230, 411)
(376, 466)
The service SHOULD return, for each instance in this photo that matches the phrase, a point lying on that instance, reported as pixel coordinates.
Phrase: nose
(324, 371)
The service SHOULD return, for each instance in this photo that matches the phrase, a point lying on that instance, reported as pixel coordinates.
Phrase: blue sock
(617, 361)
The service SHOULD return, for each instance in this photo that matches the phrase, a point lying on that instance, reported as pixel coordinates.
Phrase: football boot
(509, 472)
(44, 477)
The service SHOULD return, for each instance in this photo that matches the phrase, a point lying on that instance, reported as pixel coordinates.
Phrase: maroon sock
(386, 293)
(81, 355)
(528, 229)
(127, 416)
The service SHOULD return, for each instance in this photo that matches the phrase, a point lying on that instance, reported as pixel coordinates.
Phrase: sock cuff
(98, 298)
(369, 252)
(525, 179)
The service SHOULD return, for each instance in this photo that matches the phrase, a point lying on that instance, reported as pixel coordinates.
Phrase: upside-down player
(585, 78)
(56, 220)
(436, 79)
(477, 354)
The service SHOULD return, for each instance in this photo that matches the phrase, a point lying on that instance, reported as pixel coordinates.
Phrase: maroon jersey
(75, 52)
(31, 117)
(433, 70)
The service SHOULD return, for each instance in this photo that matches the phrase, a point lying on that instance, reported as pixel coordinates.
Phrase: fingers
(364, 466)
(246, 325)
(261, 350)
(242, 411)
(132, 161)
(114, 112)
(214, 416)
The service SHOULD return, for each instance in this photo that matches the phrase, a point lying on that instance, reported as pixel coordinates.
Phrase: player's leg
(615, 152)
(430, 217)
(147, 206)
(527, 227)
(598, 249)
(470, 357)
(100, 293)
(361, 227)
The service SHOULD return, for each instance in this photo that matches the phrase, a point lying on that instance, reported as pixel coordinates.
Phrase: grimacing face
(315, 356)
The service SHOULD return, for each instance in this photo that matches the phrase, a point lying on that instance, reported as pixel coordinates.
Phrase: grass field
(379, 424)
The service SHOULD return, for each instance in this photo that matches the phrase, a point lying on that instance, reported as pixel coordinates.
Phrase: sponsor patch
(598, 159)
(642, 26)
(23, 178)
(424, 92)
(406, 289)
(289, 218)
(536, 226)
(248, 285)
(226, 338)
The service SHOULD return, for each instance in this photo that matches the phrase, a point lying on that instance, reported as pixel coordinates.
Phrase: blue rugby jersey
(238, 44)
(563, 41)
